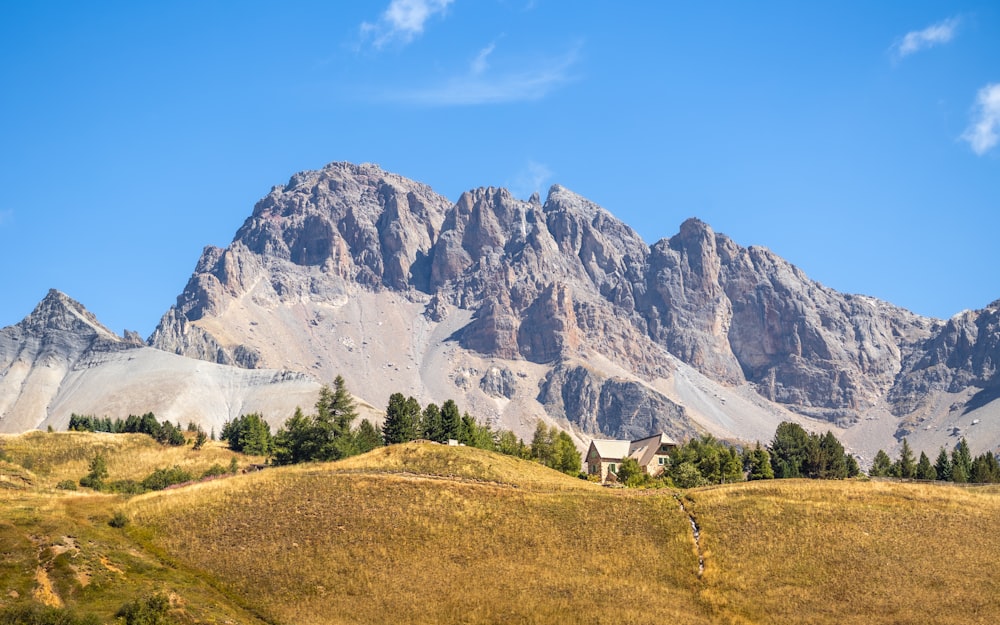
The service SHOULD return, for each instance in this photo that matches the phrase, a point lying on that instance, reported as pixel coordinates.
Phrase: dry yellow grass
(333, 544)
(423, 533)
(792, 551)
(55, 456)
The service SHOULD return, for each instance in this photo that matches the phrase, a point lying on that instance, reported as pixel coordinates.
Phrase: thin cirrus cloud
(917, 40)
(480, 63)
(983, 132)
(530, 179)
(479, 86)
(402, 21)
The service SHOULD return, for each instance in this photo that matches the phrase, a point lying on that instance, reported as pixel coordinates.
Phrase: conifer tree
(942, 466)
(758, 464)
(790, 450)
(433, 429)
(543, 445)
(905, 466)
(401, 418)
(961, 462)
(834, 461)
(882, 466)
(925, 470)
(367, 437)
(566, 455)
(985, 469)
(451, 421)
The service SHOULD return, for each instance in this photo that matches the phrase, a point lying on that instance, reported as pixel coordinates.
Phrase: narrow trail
(696, 532)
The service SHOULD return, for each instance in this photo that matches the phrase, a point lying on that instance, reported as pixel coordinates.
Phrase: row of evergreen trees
(959, 466)
(707, 460)
(164, 432)
(329, 434)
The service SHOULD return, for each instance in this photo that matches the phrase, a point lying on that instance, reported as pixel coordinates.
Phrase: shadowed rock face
(557, 282)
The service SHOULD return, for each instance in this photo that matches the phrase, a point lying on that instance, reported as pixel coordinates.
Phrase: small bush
(66, 485)
(215, 469)
(161, 478)
(153, 610)
(118, 520)
(34, 614)
(126, 487)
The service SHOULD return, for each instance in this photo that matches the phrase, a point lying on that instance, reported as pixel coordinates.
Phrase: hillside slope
(60, 360)
(424, 533)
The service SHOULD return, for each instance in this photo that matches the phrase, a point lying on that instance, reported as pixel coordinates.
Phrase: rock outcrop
(532, 309)
(60, 359)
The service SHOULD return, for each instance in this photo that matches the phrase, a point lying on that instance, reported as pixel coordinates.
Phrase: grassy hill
(422, 533)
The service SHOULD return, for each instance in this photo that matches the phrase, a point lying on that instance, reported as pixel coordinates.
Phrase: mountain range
(520, 310)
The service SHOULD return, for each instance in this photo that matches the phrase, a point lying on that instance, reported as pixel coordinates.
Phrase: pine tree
(433, 429)
(758, 464)
(789, 450)
(731, 469)
(961, 462)
(367, 437)
(343, 408)
(882, 466)
(401, 418)
(853, 470)
(905, 466)
(942, 467)
(296, 441)
(567, 457)
(451, 421)
(509, 444)
(834, 458)
(985, 469)
(925, 471)
(543, 445)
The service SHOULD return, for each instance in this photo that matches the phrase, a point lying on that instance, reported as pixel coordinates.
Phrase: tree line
(959, 466)
(165, 432)
(329, 432)
(704, 460)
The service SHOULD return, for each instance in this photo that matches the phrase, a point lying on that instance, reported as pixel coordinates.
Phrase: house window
(661, 459)
(611, 468)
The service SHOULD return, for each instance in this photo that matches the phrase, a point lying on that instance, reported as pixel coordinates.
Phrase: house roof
(642, 450)
(611, 448)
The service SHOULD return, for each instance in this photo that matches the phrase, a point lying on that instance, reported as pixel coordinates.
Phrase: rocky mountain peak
(59, 312)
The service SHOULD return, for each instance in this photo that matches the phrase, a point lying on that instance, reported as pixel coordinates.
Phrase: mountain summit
(553, 310)
(558, 310)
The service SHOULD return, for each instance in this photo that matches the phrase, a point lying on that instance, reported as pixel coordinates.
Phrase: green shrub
(153, 610)
(126, 487)
(34, 614)
(66, 485)
(161, 478)
(118, 519)
(215, 469)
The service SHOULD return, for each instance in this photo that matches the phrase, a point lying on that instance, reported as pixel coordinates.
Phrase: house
(605, 456)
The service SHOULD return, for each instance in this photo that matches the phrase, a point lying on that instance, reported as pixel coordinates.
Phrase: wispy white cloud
(402, 22)
(479, 64)
(532, 178)
(918, 40)
(479, 86)
(983, 132)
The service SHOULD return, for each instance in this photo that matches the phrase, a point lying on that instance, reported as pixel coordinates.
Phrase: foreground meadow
(431, 534)
(423, 533)
(799, 551)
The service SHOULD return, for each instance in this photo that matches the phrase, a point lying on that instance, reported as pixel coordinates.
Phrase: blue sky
(858, 140)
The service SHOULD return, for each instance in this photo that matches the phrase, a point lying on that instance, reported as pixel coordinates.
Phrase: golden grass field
(422, 533)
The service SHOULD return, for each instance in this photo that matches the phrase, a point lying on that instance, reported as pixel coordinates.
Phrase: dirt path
(696, 532)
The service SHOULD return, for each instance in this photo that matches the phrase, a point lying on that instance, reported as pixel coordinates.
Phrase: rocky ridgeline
(549, 283)
(565, 308)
